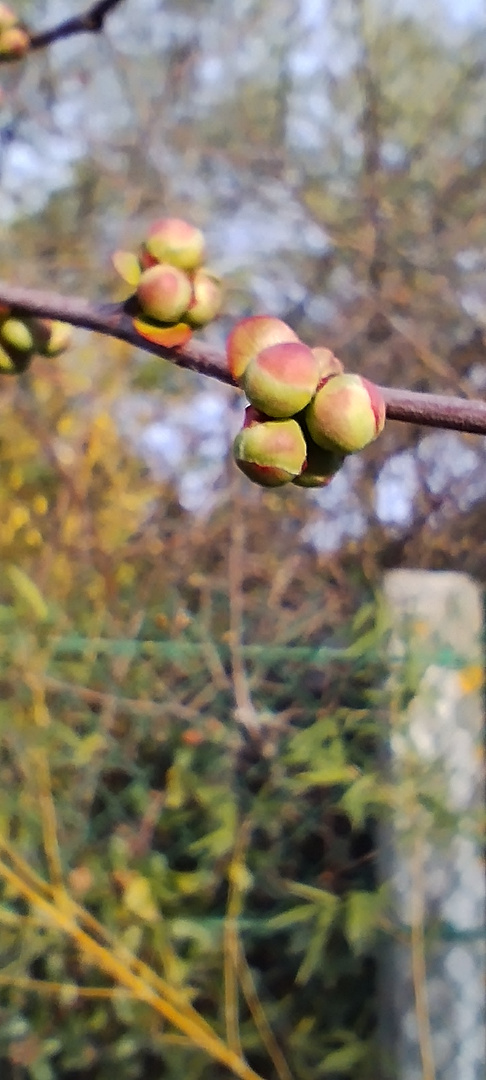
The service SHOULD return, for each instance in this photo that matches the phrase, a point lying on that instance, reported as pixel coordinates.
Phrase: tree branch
(113, 320)
(91, 22)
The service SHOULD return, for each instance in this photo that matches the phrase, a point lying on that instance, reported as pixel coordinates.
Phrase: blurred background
(181, 651)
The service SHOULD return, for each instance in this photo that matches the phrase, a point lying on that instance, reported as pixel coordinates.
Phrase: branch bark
(90, 22)
(113, 320)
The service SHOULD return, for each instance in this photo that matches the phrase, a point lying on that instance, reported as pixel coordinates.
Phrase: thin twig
(90, 22)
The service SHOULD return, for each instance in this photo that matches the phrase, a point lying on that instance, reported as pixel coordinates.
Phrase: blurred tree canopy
(188, 707)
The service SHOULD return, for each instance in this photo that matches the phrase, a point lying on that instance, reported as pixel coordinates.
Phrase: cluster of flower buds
(305, 414)
(175, 293)
(14, 38)
(23, 338)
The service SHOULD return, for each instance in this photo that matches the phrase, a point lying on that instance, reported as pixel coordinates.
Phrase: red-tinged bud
(281, 379)
(14, 361)
(253, 416)
(250, 336)
(59, 340)
(171, 337)
(17, 334)
(207, 297)
(51, 337)
(14, 43)
(347, 413)
(328, 364)
(164, 293)
(320, 466)
(145, 261)
(174, 241)
(8, 18)
(270, 453)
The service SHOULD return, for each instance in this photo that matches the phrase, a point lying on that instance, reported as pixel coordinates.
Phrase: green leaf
(339, 1061)
(298, 914)
(27, 589)
(361, 798)
(361, 919)
(333, 772)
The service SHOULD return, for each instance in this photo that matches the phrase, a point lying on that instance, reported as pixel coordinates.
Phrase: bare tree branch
(91, 22)
(114, 320)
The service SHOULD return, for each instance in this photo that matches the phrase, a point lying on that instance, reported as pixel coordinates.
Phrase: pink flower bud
(174, 241)
(207, 297)
(281, 379)
(327, 362)
(164, 293)
(270, 453)
(346, 414)
(8, 18)
(249, 336)
(320, 466)
(14, 43)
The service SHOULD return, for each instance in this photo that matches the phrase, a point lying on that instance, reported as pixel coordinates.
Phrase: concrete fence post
(432, 966)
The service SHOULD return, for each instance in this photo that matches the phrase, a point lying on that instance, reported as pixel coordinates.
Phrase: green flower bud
(327, 362)
(14, 43)
(207, 296)
(16, 333)
(347, 413)
(320, 466)
(281, 379)
(270, 452)
(164, 293)
(174, 241)
(50, 336)
(8, 18)
(14, 361)
(250, 336)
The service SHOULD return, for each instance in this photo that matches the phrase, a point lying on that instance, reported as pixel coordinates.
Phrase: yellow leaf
(138, 899)
(471, 678)
(28, 591)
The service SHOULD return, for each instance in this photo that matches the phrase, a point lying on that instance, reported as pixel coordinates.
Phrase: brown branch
(91, 22)
(113, 320)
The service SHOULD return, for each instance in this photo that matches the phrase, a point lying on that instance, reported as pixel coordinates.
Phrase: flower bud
(14, 361)
(346, 414)
(14, 43)
(281, 379)
(174, 241)
(164, 293)
(328, 363)
(59, 338)
(16, 333)
(250, 336)
(270, 453)
(145, 261)
(171, 337)
(49, 336)
(320, 466)
(8, 18)
(206, 300)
